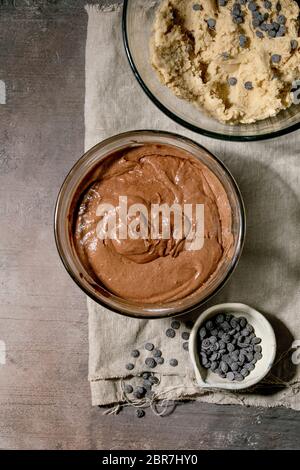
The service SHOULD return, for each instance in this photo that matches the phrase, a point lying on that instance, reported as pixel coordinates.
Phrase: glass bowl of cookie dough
(144, 277)
(138, 21)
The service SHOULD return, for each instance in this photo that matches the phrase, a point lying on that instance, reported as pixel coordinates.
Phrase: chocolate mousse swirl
(152, 269)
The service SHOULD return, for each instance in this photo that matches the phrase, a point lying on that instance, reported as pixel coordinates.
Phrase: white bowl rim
(233, 308)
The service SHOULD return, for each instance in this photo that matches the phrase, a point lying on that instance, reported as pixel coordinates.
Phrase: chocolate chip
(173, 362)
(140, 413)
(140, 390)
(248, 86)
(242, 40)
(211, 22)
(146, 375)
(258, 356)
(153, 380)
(294, 44)
(230, 376)
(256, 340)
(175, 324)
(160, 360)
(232, 81)
(185, 346)
(157, 353)
(238, 377)
(185, 335)
(128, 388)
(220, 319)
(202, 333)
(129, 366)
(197, 7)
(276, 58)
(224, 367)
(147, 385)
(244, 372)
(150, 362)
(149, 346)
(135, 353)
(209, 325)
(170, 333)
(242, 321)
(205, 344)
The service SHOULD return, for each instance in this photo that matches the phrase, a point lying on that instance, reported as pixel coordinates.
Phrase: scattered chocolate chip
(147, 385)
(128, 388)
(157, 353)
(160, 360)
(135, 353)
(173, 362)
(185, 335)
(175, 324)
(185, 346)
(149, 346)
(153, 380)
(140, 390)
(170, 333)
(129, 366)
(150, 362)
(140, 413)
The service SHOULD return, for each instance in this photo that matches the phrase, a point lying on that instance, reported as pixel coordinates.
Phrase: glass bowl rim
(182, 122)
(164, 313)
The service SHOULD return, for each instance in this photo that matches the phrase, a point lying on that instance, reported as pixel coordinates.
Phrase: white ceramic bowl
(208, 379)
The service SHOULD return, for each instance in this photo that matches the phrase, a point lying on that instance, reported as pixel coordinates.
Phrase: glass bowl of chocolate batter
(213, 74)
(149, 224)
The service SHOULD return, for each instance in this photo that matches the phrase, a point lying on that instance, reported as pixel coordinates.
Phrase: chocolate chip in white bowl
(245, 325)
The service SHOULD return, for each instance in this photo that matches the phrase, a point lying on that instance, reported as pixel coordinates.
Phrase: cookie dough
(237, 60)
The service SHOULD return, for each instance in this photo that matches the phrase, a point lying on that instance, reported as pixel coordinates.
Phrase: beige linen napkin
(268, 274)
